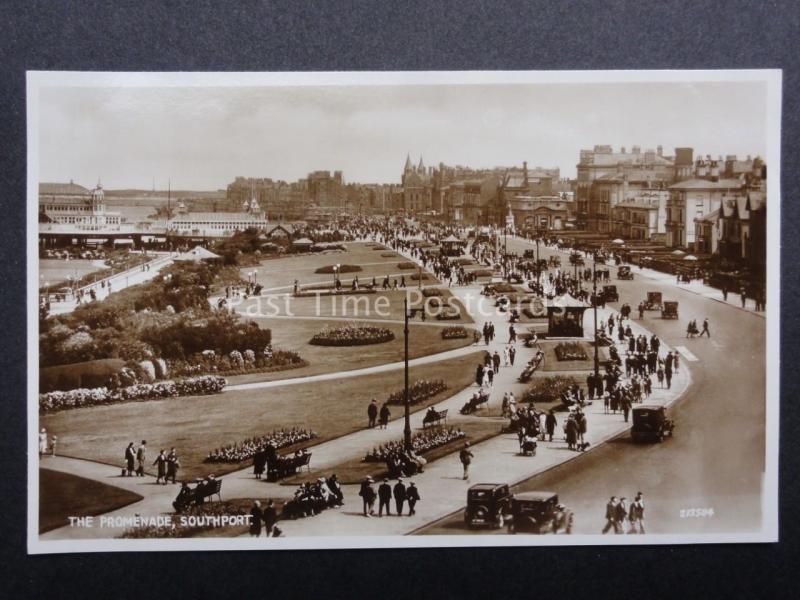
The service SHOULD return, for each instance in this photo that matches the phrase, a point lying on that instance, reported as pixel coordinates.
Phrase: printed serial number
(688, 513)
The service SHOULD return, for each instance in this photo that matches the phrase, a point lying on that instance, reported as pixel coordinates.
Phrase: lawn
(53, 270)
(62, 495)
(381, 305)
(281, 272)
(195, 425)
(294, 334)
(355, 470)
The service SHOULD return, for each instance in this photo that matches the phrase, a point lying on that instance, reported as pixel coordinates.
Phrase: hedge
(406, 265)
(328, 269)
(352, 336)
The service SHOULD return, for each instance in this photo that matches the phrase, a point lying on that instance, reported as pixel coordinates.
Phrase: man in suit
(384, 498)
(412, 495)
(372, 413)
(161, 462)
(611, 516)
(636, 514)
(399, 496)
(270, 517)
(621, 515)
(141, 456)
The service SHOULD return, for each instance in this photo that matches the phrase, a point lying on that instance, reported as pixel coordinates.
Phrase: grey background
(414, 35)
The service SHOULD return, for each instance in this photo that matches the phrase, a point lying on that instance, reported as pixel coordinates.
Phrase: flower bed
(464, 261)
(246, 449)
(421, 390)
(329, 291)
(192, 386)
(483, 273)
(570, 351)
(352, 335)
(421, 443)
(329, 269)
(449, 314)
(237, 363)
(454, 333)
(406, 265)
(416, 277)
(504, 288)
(432, 292)
(548, 389)
(388, 255)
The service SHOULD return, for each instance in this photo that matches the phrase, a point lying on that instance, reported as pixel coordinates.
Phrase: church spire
(421, 166)
(408, 166)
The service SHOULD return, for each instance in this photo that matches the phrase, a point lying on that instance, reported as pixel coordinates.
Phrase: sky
(200, 138)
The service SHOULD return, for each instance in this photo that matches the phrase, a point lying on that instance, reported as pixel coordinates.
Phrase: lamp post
(406, 401)
(594, 304)
(335, 275)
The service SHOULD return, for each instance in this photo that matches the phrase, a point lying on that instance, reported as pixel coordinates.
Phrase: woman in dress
(42, 442)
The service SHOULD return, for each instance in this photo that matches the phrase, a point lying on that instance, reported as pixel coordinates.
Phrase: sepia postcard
(402, 309)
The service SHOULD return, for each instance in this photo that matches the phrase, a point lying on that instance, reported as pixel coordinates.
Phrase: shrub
(548, 389)
(94, 373)
(464, 261)
(504, 288)
(352, 335)
(483, 273)
(406, 265)
(388, 255)
(328, 269)
(416, 277)
(454, 333)
(570, 351)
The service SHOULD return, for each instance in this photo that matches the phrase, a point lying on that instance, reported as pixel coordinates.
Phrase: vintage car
(610, 293)
(650, 422)
(653, 301)
(487, 504)
(624, 273)
(539, 512)
(554, 261)
(669, 310)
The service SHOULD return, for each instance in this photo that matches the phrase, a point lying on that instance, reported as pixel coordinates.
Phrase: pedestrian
(668, 376)
(636, 514)
(400, 495)
(465, 456)
(384, 497)
(412, 495)
(512, 335)
(675, 362)
(161, 463)
(705, 329)
(42, 442)
(479, 373)
(173, 464)
(53, 445)
(621, 515)
(505, 356)
(496, 361)
(512, 353)
(372, 413)
(130, 459)
(256, 517)
(141, 456)
(270, 517)
(490, 376)
(611, 516)
(626, 407)
(367, 493)
(743, 297)
(725, 293)
(385, 414)
(582, 424)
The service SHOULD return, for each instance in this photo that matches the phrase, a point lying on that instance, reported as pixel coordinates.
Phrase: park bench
(287, 465)
(215, 489)
(436, 418)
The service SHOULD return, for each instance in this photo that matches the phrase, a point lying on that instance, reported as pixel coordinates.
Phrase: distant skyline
(203, 137)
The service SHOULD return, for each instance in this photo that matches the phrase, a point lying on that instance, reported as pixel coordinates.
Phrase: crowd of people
(189, 496)
(384, 494)
(248, 448)
(618, 513)
(312, 498)
(400, 461)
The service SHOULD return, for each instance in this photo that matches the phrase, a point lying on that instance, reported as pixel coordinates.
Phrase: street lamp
(406, 400)
(594, 304)
(335, 273)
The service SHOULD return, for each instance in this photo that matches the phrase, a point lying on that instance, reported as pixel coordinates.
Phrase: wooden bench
(215, 489)
(287, 465)
(435, 419)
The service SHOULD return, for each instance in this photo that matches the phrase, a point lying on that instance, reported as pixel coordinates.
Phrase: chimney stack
(636, 150)
(660, 150)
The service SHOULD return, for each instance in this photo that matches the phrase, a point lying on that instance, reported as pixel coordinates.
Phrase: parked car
(610, 293)
(653, 301)
(487, 504)
(539, 513)
(650, 422)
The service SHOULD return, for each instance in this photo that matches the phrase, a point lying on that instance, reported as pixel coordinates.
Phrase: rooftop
(707, 184)
(63, 189)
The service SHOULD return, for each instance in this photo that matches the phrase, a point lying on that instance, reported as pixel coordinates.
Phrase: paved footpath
(441, 487)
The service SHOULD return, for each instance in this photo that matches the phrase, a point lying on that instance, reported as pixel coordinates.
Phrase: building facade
(74, 205)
